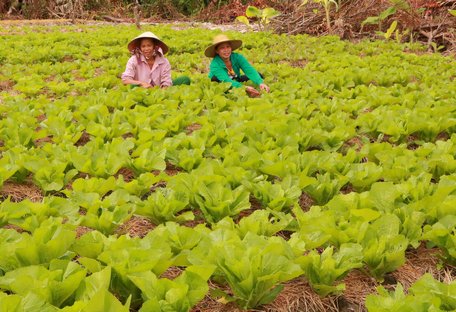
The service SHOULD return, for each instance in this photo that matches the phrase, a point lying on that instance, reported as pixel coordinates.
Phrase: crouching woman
(226, 65)
(148, 67)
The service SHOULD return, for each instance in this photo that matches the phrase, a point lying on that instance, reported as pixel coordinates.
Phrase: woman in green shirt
(226, 65)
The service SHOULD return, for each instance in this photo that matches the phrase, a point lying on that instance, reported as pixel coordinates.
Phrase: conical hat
(136, 42)
(210, 50)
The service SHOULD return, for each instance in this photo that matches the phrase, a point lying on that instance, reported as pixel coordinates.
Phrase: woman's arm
(248, 69)
(251, 72)
(136, 82)
(128, 76)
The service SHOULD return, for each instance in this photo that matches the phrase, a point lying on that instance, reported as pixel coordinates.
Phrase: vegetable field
(325, 194)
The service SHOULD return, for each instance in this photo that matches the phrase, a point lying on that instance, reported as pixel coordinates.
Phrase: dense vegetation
(428, 21)
(164, 8)
(346, 166)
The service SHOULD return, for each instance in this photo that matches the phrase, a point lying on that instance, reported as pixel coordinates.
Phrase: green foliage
(383, 246)
(49, 241)
(165, 205)
(262, 16)
(179, 294)
(426, 294)
(323, 270)
(107, 214)
(390, 30)
(351, 155)
(215, 197)
(317, 228)
(325, 187)
(379, 18)
(47, 179)
(260, 222)
(100, 159)
(55, 286)
(253, 267)
(277, 196)
(442, 234)
(327, 6)
(7, 168)
(181, 239)
(362, 176)
(128, 256)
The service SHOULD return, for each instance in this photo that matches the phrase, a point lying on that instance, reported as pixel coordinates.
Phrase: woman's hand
(264, 87)
(145, 85)
(252, 92)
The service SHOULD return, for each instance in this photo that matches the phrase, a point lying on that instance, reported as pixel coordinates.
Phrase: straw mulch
(136, 226)
(297, 294)
(21, 191)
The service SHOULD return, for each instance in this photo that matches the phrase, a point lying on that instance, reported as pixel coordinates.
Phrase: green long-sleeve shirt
(238, 62)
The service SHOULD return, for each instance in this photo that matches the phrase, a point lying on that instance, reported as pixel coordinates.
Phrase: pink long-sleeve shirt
(159, 75)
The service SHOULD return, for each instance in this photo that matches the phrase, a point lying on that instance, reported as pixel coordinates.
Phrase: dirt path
(175, 25)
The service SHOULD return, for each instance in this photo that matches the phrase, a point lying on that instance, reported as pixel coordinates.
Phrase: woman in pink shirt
(147, 67)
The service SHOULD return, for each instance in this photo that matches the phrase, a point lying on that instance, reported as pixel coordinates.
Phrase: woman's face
(147, 47)
(224, 50)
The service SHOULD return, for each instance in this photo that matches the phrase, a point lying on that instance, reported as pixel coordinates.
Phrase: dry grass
(98, 72)
(305, 201)
(421, 260)
(81, 230)
(83, 140)
(136, 227)
(127, 174)
(20, 191)
(243, 214)
(442, 136)
(210, 304)
(223, 14)
(193, 127)
(254, 205)
(172, 272)
(447, 274)
(40, 142)
(286, 235)
(358, 286)
(41, 117)
(159, 184)
(347, 189)
(418, 262)
(297, 295)
(199, 219)
(355, 142)
(6, 85)
(299, 63)
(411, 142)
(14, 227)
(170, 170)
